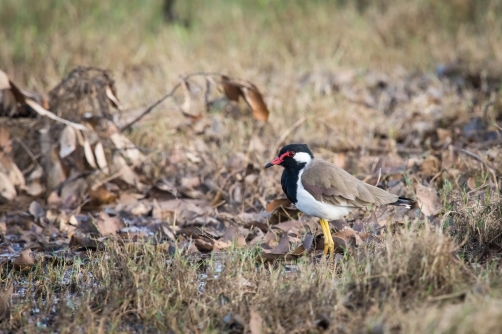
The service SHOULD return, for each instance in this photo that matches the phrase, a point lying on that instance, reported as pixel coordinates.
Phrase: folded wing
(330, 184)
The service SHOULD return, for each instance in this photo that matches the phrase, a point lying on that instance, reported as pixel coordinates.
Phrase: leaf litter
(90, 184)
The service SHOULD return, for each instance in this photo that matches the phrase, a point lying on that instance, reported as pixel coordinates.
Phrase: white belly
(306, 203)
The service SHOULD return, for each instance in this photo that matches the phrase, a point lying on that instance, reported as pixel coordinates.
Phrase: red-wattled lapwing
(324, 190)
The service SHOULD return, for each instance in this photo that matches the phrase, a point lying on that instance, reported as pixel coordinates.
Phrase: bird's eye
(292, 154)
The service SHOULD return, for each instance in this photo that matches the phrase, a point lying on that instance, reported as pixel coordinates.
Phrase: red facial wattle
(280, 159)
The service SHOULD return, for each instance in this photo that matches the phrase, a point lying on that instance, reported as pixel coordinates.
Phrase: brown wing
(331, 184)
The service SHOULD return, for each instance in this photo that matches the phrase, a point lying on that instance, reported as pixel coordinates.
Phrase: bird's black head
(292, 155)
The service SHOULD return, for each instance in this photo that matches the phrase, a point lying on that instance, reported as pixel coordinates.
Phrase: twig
(286, 133)
(43, 112)
(32, 156)
(175, 88)
(150, 108)
(448, 296)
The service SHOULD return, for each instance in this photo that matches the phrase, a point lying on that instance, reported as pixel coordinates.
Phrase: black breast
(289, 184)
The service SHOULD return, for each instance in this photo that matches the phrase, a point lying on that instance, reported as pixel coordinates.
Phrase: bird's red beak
(277, 160)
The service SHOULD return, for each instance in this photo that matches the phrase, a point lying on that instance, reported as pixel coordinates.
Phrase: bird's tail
(402, 201)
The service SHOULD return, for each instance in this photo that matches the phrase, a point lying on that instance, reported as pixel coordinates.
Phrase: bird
(321, 189)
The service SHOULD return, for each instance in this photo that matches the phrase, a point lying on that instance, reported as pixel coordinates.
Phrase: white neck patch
(302, 157)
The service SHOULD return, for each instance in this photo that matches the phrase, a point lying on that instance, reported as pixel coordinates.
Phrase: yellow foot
(329, 244)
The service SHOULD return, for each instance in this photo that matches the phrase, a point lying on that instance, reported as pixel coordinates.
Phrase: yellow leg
(329, 244)
(325, 234)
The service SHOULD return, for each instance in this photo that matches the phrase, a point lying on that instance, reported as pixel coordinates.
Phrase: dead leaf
(5, 140)
(67, 142)
(344, 239)
(428, 199)
(36, 210)
(204, 244)
(99, 152)
(101, 196)
(471, 183)
(80, 242)
(231, 90)
(255, 101)
(7, 189)
(305, 246)
(4, 80)
(24, 261)
(5, 302)
(8, 167)
(294, 227)
(282, 247)
(431, 165)
(113, 99)
(233, 234)
(255, 322)
(89, 156)
(284, 202)
(108, 225)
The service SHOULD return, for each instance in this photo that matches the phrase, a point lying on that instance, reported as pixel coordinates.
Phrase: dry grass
(418, 278)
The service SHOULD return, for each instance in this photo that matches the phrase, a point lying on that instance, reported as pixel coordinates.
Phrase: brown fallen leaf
(101, 196)
(67, 141)
(255, 101)
(24, 261)
(233, 234)
(428, 200)
(284, 202)
(36, 210)
(5, 140)
(204, 244)
(431, 165)
(7, 189)
(282, 247)
(81, 242)
(5, 302)
(255, 322)
(111, 95)
(108, 225)
(344, 239)
(305, 246)
(294, 227)
(231, 90)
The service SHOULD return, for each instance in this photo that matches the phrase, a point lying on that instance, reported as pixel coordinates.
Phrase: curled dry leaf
(80, 242)
(101, 196)
(344, 239)
(101, 158)
(108, 225)
(5, 302)
(5, 140)
(277, 203)
(305, 246)
(10, 169)
(255, 101)
(89, 156)
(7, 189)
(428, 199)
(113, 99)
(67, 142)
(36, 210)
(231, 90)
(282, 247)
(24, 261)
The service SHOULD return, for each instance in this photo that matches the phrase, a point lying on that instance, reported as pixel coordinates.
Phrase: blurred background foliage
(42, 38)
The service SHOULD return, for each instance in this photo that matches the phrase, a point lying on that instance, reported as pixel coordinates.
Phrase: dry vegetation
(172, 225)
